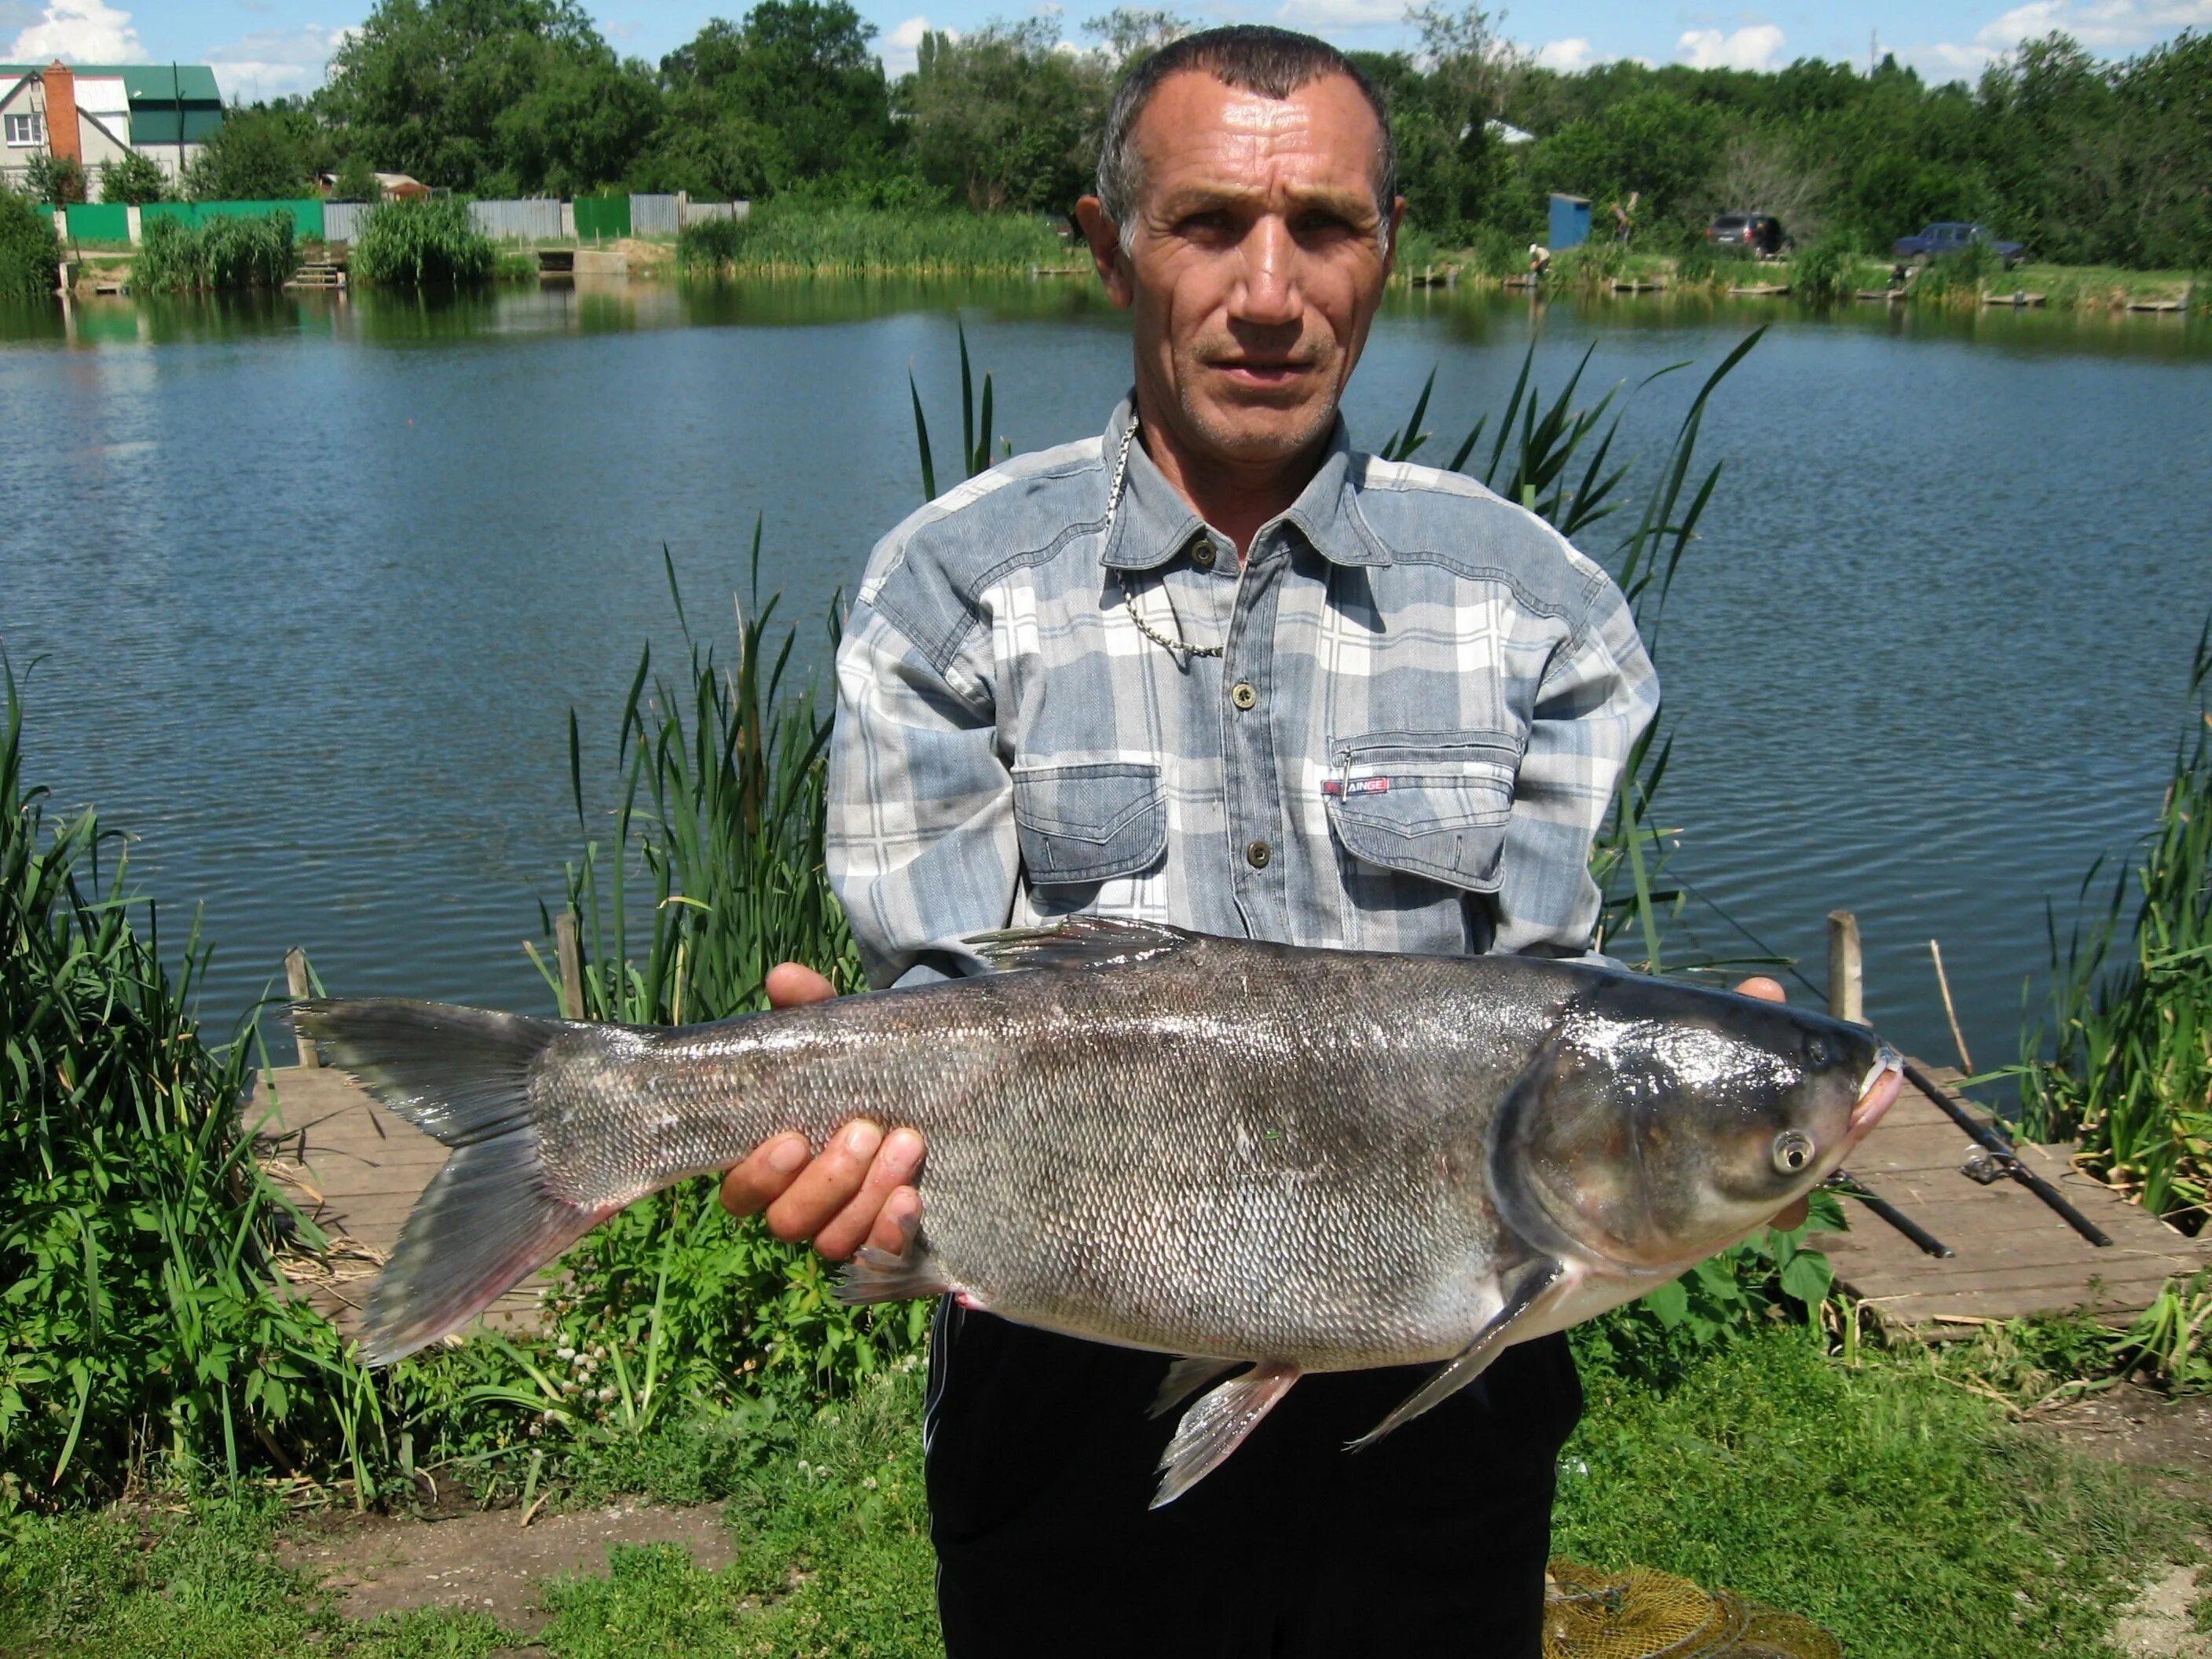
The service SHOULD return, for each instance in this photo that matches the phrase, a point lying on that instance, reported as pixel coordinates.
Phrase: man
(1217, 669)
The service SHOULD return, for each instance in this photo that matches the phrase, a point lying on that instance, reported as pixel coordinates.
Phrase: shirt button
(1242, 695)
(1201, 555)
(1257, 855)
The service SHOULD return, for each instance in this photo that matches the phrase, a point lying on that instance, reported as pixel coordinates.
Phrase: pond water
(311, 584)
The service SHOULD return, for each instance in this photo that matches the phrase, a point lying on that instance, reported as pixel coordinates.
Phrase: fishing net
(1642, 1615)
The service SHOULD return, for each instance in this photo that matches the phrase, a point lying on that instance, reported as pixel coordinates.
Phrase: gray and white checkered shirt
(1425, 701)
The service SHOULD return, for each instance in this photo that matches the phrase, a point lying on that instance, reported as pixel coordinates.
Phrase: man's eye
(1324, 225)
(1211, 222)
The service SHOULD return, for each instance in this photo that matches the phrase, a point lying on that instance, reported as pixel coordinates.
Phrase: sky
(266, 48)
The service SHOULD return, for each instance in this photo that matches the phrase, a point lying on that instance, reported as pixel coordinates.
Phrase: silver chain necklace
(1178, 648)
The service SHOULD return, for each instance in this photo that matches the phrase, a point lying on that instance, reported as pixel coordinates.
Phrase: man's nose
(1269, 292)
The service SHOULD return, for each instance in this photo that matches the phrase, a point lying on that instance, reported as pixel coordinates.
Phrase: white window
(29, 129)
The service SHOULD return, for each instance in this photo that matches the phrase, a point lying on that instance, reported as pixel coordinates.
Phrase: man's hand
(1765, 990)
(856, 1192)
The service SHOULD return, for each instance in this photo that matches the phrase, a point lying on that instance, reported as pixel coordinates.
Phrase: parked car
(1754, 232)
(1952, 236)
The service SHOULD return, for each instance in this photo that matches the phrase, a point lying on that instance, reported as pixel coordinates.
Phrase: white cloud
(1568, 56)
(902, 43)
(1751, 48)
(276, 62)
(2109, 27)
(1322, 16)
(81, 32)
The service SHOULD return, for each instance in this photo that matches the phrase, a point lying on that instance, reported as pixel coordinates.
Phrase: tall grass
(1957, 279)
(821, 240)
(1832, 268)
(2129, 1073)
(30, 252)
(224, 252)
(143, 1316)
(430, 242)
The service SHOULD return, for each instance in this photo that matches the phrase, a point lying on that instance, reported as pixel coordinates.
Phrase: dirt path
(487, 1560)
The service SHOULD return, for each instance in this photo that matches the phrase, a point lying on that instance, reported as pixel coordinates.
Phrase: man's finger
(898, 1222)
(894, 1166)
(761, 1179)
(1764, 990)
(826, 1185)
(791, 983)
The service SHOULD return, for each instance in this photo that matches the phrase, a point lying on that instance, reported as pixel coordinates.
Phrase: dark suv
(1754, 232)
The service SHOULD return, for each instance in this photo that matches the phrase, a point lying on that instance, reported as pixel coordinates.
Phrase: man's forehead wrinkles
(1205, 194)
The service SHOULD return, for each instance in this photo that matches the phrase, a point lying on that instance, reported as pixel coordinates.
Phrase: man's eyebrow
(1351, 204)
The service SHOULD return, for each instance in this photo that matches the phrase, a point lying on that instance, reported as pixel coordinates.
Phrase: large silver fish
(1246, 1155)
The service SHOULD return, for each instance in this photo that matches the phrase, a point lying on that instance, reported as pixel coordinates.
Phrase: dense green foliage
(2129, 1073)
(427, 242)
(30, 252)
(783, 237)
(140, 1315)
(57, 180)
(225, 251)
(268, 153)
(134, 180)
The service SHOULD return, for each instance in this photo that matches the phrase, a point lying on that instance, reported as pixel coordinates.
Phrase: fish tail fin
(491, 1216)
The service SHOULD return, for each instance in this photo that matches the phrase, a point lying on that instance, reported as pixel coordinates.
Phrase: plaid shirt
(1425, 699)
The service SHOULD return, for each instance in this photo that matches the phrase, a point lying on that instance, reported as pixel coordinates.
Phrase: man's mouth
(1261, 371)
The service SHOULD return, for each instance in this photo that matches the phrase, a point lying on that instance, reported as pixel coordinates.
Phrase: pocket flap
(1091, 821)
(1432, 802)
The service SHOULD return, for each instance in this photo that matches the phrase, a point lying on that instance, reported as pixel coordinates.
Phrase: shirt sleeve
(920, 847)
(1595, 701)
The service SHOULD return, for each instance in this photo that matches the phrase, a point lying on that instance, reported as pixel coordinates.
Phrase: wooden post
(1846, 979)
(295, 981)
(571, 956)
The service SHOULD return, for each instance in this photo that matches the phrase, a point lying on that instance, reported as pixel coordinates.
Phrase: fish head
(1663, 1122)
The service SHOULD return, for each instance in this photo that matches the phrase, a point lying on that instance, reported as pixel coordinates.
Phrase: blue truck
(1952, 236)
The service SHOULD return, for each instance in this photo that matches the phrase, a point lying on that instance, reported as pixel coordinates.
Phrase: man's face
(1255, 264)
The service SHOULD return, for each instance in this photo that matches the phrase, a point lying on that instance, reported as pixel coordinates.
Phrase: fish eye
(1793, 1150)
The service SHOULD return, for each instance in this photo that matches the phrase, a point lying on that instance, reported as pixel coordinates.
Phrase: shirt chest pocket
(1090, 821)
(1432, 804)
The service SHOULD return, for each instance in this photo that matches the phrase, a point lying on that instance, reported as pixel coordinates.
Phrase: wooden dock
(2012, 1254)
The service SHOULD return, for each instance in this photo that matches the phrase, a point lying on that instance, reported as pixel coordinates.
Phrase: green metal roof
(153, 124)
(153, 83)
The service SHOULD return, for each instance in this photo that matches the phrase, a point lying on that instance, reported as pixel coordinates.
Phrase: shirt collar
(1152, 522)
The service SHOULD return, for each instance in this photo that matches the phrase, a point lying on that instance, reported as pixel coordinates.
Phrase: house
(95, 112)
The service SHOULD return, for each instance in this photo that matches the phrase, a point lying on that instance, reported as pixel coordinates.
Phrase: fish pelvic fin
(1528, 1291)
(490, 1217)
(1077, 942)
(1185, 1378)
(875, 1275)
(1217, 1425)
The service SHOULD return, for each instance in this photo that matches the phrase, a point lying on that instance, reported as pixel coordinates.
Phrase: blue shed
(1570, 222)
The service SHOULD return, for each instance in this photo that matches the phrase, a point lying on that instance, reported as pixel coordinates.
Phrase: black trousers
(1042, 1461)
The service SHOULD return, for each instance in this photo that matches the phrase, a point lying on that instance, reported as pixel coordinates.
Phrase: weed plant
(429, 242)
(1957, 279)
(777, 240)
(30, 252)
(142, 1317)
(224, 252)
(2129, 1070)
(1831, 270)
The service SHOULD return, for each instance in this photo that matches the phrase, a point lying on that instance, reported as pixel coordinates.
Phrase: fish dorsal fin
(1077, 942)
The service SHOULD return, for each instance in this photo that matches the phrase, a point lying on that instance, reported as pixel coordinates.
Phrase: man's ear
(1105, 240)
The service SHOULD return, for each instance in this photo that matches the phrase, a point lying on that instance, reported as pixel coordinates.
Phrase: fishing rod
(1850, 1186)
(2003, 1153)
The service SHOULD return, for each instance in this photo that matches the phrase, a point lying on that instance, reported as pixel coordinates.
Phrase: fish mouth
(1878, 1091)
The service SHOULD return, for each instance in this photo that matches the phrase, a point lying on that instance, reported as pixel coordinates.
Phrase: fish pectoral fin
(1186, 1377)
(1217, 1425)
(1528, 1292)
(1076, 942)
(875, 1275)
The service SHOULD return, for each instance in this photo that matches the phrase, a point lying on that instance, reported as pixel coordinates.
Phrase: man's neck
(1236, 499)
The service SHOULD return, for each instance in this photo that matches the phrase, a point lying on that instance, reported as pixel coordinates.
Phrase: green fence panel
(99, 222)
(602, 218)
(306, 214)
(186, 213)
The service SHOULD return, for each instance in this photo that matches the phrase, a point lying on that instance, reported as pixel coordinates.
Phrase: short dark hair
(1252, 58)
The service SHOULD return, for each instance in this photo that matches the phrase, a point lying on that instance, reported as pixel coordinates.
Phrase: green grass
(1897, 1509)
(815, 240)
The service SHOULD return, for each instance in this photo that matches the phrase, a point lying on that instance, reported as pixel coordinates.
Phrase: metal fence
(341, 220)
(653, 216)
(689, 212)
(530, 218)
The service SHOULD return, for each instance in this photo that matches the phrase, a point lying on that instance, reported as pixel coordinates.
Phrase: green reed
(225, 251)
(144, 1318)
(2130, 1069)
(805, 239)
(430, 242)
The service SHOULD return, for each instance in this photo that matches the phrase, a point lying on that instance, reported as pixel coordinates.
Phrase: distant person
(1540, 259)
(1623, 224)
(1118, 678)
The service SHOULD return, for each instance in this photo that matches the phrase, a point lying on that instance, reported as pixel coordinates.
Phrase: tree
(56, 179)
(357, 182)
(267, 152)
(1005, 119)
(134, 180)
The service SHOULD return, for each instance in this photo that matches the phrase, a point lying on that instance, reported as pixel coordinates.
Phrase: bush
(30, 252)
(55, 179)
(221, 252)
(1828, 270)
(135, 180)
(428, 242)
(1958, 278)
